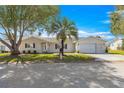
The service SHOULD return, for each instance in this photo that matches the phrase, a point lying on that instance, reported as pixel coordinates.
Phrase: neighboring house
(116, 44)
(36, 44)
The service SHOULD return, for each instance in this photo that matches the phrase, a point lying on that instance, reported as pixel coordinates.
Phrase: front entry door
(43, 47)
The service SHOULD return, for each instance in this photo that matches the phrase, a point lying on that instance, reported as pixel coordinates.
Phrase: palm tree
(63, 29)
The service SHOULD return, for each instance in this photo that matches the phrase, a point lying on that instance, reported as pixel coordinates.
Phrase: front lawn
(3, 54)
(70, 57)
(121, 52)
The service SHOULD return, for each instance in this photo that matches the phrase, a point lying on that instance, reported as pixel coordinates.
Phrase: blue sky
(90, 19)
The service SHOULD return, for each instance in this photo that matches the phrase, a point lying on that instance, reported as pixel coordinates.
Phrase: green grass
(76, 57)
(121, 52)
(70, 57)
(4, 54)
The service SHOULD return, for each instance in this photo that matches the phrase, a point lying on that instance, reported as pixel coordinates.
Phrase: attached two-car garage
(91, 45)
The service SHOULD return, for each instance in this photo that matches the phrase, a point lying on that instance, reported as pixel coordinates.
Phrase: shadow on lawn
(59, 75)
(45, 58)
(12, 58)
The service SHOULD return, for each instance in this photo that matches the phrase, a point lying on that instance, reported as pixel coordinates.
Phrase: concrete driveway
(63, 75)
(108, 57)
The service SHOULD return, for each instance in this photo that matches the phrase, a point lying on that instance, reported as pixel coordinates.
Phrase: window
(45, 46)
(25, 45)
(35, 51)
(2, 48)
(33, 45)
(65, 46)
(28, 45)
(24, 52)
(29, 51)
(55, 46)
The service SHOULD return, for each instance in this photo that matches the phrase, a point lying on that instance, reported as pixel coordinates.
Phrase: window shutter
(33, 45)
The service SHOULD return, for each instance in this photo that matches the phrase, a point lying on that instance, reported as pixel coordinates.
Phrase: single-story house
(116, 44)
(44, 44)
(36, 44)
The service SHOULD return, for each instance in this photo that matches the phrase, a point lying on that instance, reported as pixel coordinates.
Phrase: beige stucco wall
(31, 40)
(70, 46)
(50, 45)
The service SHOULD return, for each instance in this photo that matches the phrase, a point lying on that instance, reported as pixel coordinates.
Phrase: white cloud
(106, 21)
(109, 12)
(105, 35)
(109, 37)
(85, 33)
(82, 32)
(44, 34)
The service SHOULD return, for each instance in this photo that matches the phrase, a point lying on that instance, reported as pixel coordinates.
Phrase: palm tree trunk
(62, 51)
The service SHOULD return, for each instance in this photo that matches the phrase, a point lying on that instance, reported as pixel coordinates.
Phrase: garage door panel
(87, 48)
(100, 48)
(92, 48)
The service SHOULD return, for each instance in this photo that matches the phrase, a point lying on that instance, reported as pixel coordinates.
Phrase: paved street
(60, 75)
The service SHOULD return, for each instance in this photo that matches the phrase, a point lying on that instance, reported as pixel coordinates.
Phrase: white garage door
(91, 48)
(87, 48)
(100, 48)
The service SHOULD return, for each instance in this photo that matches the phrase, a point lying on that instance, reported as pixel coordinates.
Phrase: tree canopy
(117, 21)
(15, 20)
(63, 28)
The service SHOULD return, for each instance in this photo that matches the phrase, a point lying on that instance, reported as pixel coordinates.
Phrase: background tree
(63, 29)
(122, 44)
(117, 21)
(16, 20)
